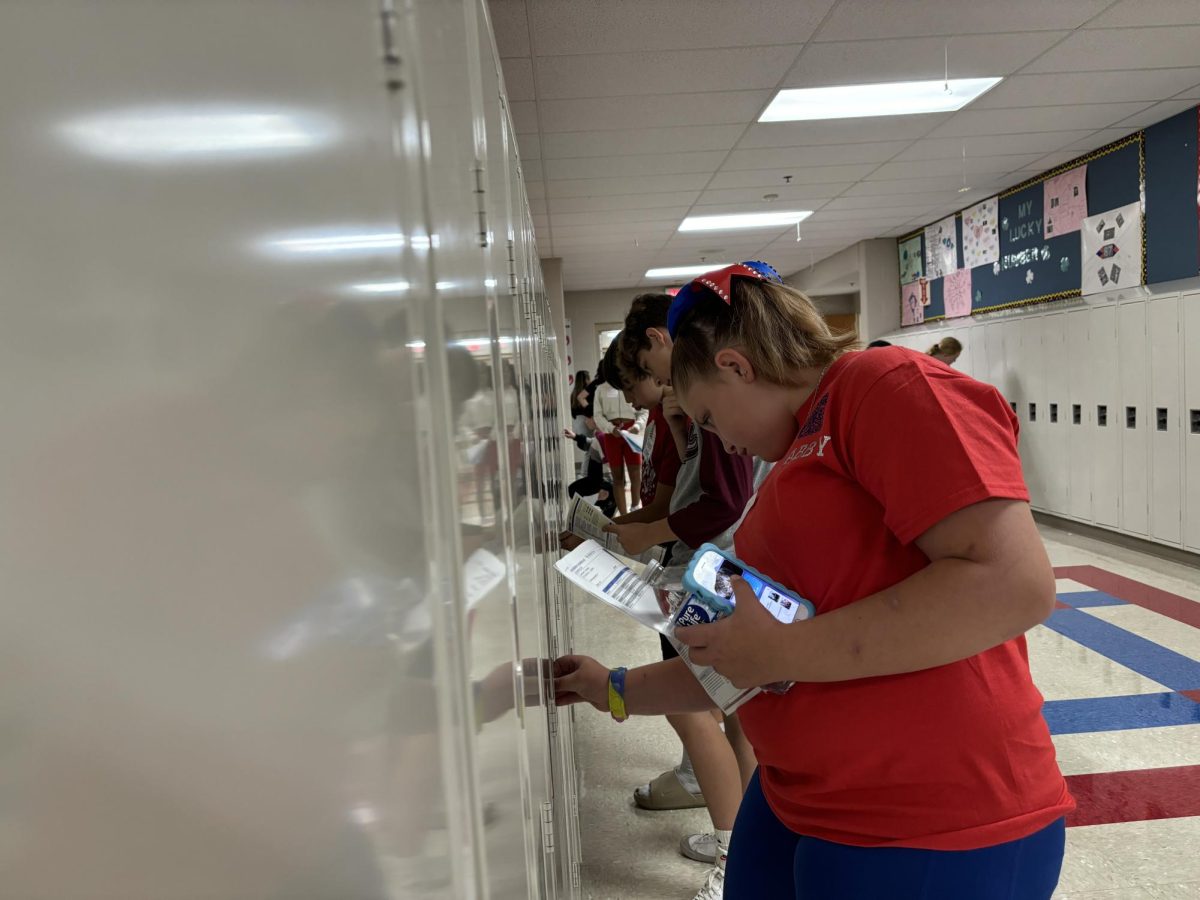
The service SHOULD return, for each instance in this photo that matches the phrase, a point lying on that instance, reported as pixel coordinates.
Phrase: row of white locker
(1108, 395)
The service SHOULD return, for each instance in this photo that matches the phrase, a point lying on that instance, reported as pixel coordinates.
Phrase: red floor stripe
(1181, 609)
(1135, 796)
(1192, 695)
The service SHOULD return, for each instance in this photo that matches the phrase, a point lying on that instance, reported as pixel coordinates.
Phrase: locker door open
(1131, 418)
(1189, 315)
(1078, 415)
(1164, 420)
(1102, 415)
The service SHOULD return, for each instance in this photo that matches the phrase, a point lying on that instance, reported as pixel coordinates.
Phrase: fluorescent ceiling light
(172, 134)
(851, 101)
(681, 271)
(382, 287)
(744, 220)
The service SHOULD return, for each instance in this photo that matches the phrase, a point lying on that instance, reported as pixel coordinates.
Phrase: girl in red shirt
(910, 760)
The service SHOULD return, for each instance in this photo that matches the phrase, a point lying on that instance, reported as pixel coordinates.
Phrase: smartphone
(710, 590)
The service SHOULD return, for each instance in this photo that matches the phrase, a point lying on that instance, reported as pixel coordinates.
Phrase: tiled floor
(1119, 665)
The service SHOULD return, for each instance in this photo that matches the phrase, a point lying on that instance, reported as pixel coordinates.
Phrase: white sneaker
(714, 887)
(700, 847)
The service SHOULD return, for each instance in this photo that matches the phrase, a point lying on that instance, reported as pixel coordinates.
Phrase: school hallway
(1119, 665)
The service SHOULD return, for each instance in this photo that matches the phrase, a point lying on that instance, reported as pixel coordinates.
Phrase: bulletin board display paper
(1112, 249)
(912, 259)
(981, 234)
(956, 294)
(941, 248)
(1065, 201)
(912, 303)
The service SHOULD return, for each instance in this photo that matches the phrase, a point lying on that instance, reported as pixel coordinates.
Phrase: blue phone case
(714, 606)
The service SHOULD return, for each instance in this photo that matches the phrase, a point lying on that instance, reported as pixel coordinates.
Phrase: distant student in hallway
(947, 350)
(910, 759)
(613, 415)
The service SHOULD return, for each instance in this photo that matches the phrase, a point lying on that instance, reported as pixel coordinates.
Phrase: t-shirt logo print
(815, 419)
(811, 426)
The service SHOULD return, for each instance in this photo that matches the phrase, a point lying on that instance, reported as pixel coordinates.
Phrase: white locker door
(1078, 415)
(1032, 406)
(993, 336)
(1055, 417)
(1103, 415)
(1190, 320)
(1135, 444)
(964, 362)
(1164, 419)
(979, 354)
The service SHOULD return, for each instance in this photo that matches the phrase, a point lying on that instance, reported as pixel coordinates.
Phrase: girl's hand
(634, 538)
(671, 409)
(568, 434)
(750, 647)
(580, 679)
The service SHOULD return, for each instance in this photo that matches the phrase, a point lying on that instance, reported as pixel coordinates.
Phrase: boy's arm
(726, 483)
(657, 509)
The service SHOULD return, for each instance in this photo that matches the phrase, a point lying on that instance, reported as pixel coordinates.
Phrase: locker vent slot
(1102, 416)
(1013, 404)
(1131, 417)
(1076, 414)
(1160, 418)
(1053, 413)
(1032, 412)
(1195, 417)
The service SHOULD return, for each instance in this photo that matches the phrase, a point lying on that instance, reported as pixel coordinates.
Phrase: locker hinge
(575, 879)
(481, 206)
(548, 826)
(552, 717)
(390, 55)
(512, 270)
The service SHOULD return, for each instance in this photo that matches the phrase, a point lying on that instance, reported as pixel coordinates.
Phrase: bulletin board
(1027, 240)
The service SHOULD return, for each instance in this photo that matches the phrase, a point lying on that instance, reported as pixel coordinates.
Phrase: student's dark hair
(775, 326)
(646, 311)
(879, 344)
(611, 367)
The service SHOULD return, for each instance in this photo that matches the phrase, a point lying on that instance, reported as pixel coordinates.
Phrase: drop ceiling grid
(911, 164)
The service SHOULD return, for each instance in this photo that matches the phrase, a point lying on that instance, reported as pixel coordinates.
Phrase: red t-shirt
(660, 456)
(951, 758)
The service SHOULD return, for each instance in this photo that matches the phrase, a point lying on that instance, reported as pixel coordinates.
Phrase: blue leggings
(769, 862)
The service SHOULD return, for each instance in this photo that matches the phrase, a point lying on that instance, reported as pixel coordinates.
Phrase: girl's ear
(657, 336)
(734, 364)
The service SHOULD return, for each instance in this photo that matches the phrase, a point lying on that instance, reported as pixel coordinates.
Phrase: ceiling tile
(993, 145)
(839, 131)
(567, 144)
(532, 169)
(916, 59)
(656, 25)
(799, 175)
(598, 187)
(1069, 88)
(510, 26)
(529, 146)
(1149, 12)
(858, 217)
(914, 203)
(619, 216)
(970, 122)
(1124, 48)
(857, 19)
(524, 117)
(518, 78)
(623, 201)
(932, 168)
(1157, 113)
(824, 155)
(756, 206)
(945, 184)
(669, 71)
(645, 164)
(653, 110)
(788, 194)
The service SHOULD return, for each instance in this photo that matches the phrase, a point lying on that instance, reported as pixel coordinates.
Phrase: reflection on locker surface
(281, 467)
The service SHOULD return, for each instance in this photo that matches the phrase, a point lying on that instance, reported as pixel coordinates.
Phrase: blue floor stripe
(1168, 668)
(1120, 713)
(1084, 599)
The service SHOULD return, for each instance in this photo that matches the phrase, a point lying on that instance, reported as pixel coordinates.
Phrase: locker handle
(1160, 418)
(1013, 404)
(1032, 412)
(1076, 414)
(1131, 417)
(1102, 416)
(1195, 417)
(1053, 413)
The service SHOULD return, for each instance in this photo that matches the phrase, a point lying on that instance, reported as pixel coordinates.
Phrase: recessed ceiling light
(680, 271)
(851, 101)
(173, 134)
(382, 287)
(744, 220)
